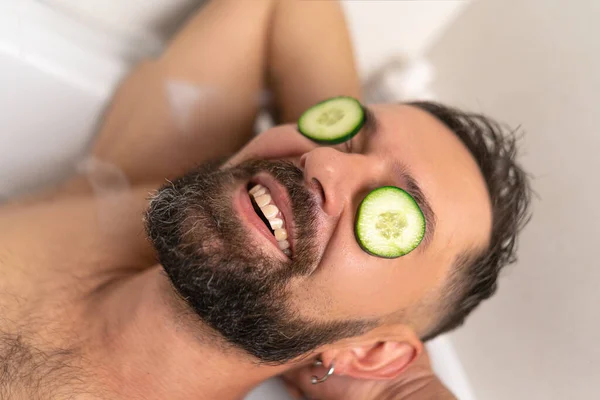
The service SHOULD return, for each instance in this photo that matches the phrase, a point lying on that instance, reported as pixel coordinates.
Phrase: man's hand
(418, 382)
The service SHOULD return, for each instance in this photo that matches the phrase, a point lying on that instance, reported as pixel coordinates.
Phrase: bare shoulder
(53, 253)
(29, 368)
(71, 243)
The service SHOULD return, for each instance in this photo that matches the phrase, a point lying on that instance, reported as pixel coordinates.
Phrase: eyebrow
(410, 184)
(371, 122)
(413, 188)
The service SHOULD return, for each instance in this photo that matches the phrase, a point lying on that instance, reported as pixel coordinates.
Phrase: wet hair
(475, 273)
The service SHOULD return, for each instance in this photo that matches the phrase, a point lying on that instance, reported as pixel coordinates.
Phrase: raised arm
(219, 60)
(198, 101)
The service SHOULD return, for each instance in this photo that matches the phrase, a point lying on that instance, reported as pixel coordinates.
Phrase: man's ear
(375, 359)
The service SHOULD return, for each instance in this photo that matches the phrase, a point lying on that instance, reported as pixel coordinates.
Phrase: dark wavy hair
(475, 274)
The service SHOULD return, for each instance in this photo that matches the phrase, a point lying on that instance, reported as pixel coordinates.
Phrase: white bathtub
(56, 75)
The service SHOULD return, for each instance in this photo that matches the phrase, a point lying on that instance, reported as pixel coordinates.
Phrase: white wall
(537, 63)
(381, 29)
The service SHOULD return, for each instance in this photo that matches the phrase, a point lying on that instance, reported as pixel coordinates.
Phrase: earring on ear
(315, 379)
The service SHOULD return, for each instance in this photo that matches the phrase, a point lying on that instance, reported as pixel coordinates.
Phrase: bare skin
(83, 304)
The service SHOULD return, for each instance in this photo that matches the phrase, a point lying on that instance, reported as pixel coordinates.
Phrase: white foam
(186, 101)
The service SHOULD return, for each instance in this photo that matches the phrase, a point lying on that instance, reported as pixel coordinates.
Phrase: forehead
(444, 169)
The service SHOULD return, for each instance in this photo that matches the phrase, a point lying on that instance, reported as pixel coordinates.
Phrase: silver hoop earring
(315, 379)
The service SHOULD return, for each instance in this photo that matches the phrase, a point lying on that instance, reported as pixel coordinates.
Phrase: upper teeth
(262, 198)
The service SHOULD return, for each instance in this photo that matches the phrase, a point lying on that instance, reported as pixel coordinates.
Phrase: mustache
(202, 197)
(286, 172)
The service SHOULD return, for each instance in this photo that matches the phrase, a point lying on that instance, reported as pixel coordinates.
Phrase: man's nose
(342, 176)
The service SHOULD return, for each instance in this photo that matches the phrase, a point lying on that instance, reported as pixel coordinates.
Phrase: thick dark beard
(236, 289)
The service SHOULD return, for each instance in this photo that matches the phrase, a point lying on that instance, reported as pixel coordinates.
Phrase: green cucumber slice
(332, 121)
(389, 223)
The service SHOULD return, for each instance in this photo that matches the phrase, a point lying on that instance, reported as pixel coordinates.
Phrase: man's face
(226, 263)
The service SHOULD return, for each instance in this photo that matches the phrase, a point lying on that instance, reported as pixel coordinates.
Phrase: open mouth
(272, 217)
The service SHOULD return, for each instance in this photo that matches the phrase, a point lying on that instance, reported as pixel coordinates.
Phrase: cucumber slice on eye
(389, 223)
(332, 121)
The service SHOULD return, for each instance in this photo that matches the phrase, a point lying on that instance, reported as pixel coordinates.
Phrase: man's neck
(143, 350)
